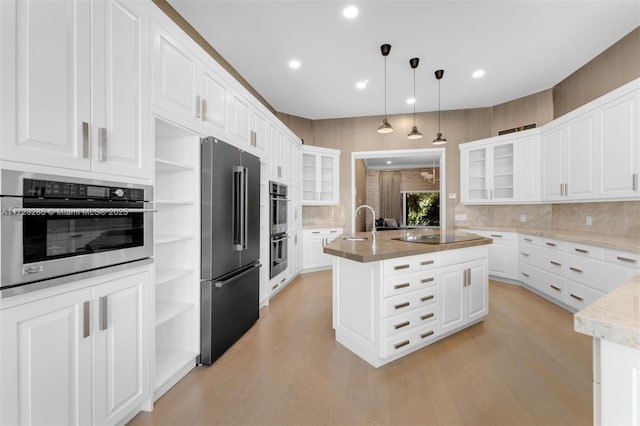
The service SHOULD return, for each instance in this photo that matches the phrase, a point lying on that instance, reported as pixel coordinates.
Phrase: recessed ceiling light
(477, 73)
(388, 162)
(411, 101)
(350, 12)
(361, 84)
(295, 64)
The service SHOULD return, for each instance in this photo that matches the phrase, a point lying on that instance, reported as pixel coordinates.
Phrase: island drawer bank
(393, 297)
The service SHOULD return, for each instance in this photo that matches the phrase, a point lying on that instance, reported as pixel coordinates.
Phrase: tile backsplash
(616, 218)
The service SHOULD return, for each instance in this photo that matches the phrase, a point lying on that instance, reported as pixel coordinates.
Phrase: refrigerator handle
(220, 284)
(245, 203)
(237, 208)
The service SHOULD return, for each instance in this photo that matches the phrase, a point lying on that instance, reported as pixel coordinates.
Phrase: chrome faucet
(373, 231)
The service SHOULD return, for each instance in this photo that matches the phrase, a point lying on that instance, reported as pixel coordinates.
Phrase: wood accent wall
(614, 67)
(536, 108)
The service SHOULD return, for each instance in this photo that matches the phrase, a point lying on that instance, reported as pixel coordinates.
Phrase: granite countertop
(617, 242)
(388, 248)
(615, 316)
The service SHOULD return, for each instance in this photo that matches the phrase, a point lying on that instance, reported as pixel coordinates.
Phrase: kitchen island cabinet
(391, 297)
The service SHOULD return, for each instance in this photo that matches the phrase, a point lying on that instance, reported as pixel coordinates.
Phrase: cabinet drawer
(527, 275)
(406, 342)
(405, 302)
(500, 236)
(553, 244)
(599, 275)
(579, 296)
(529, 254)
(584, 250)
(551, 284)
(406, 283)
(529, 239)
(623, 258)
(404, 322)
(404, 265)
(552, 261)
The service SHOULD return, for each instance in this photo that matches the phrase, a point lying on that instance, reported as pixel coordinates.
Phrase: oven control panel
(68, 190)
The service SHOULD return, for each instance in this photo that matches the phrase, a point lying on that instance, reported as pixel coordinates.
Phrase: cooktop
(438, 238)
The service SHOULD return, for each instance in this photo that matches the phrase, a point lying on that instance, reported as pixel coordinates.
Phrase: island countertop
(388, 247)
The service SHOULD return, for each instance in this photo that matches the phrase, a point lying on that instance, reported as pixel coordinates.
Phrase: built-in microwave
(59, 229)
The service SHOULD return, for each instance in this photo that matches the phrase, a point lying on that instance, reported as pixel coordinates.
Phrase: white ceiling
(524, 46)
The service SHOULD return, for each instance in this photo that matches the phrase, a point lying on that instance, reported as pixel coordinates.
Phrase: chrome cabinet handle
(427, 316)
(425, 298)
(575, 269)
(528, 240)
(524, 253)
(102, 143)
(626, 259)
(400, 267)
(403, 285)
(634, 181)
(554, 287)
(464, 278)
(427, 334)
(576, 297)
(204, 109)
(86, 320)
(496, 235)
(562, 189)
(550, 244)
(104, 312)
(469, 277)
(555, 263)
(427, 280)
(566, 189)
(401, 344)
(401, 325)
(401, 305)
(426, 262)
(85, 139)
(275, 286)
(197, 106)
(525, 274)
(581, 250)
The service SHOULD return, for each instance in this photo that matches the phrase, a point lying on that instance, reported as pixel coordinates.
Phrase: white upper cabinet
(619, 151)
(320, 176)
(241, 111)
(213, 103)
(495, 171)
(74, 85)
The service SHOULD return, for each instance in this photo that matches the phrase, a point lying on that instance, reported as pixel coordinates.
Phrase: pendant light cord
(439, 106)
(414, 96)
(385, 87)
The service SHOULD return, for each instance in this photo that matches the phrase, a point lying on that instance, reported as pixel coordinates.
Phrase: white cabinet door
(474, 175)
(120, 54)
(320, 176)
(261, 132)
(312, 255)
(502, 172)
(553, 164)
(241, 120)
(120, 347)
(46, 361)
(620, 147)
(214, 104)
(451, 313)
(46, 82)
(477, 291)
(175, 80)
(580, 171)
(528, 169)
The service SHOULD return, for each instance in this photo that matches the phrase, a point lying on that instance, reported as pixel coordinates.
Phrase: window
(421, 208)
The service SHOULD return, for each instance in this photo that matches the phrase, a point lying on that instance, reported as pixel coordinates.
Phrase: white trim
(401, 153)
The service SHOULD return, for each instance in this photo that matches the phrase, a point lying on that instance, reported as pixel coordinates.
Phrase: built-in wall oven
(57, 229)
(278, 226)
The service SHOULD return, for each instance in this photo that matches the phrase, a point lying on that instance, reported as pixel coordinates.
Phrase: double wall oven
(57, 229)
(278, 228)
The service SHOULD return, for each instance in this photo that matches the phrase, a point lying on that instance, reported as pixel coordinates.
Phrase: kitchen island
(406, 289)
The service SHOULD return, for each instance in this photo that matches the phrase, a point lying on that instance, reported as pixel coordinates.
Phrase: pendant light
(439, 140)
(414, 134)
(385, 127)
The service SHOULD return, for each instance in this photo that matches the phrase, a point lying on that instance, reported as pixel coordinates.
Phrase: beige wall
(614, 67)
(533, 109)
(361, 191)
(302, 127)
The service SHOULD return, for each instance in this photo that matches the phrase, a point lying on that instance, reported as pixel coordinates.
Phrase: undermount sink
(355, 238)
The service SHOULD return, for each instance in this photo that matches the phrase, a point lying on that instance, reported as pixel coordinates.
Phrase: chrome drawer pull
(577, 297)
(427, 280)
(401, 325)
(427, 262)
(554, 287)
(275, 286)
(400, 267)
(401, 344)
(427, 334)
(401, 305)
(525, 274)
(496, 235)
(86, 319)
(575, 269)
(555, 263)
(626, 259)
(427, 316)
(582, 251)
(529, 240)
(551, 244)
(524, 253)
(403, 285)
(424, 299)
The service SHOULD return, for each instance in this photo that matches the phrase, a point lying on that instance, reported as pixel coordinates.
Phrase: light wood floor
(523, 365)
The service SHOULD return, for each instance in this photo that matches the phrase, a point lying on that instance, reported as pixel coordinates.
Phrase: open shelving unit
(177, 254)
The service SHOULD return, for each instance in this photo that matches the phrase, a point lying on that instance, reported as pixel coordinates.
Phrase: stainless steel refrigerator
(230, 282)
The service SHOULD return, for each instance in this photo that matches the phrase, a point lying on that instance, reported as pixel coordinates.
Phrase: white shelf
(169, 362)
(167, 310)
(165, 275)
(166, 165)
(166, 239)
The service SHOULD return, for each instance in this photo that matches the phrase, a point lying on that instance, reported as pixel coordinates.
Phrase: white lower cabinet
(313, 242)
(77, 358)
(503, 253)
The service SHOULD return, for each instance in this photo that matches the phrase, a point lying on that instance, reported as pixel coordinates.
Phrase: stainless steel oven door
(278, 256)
